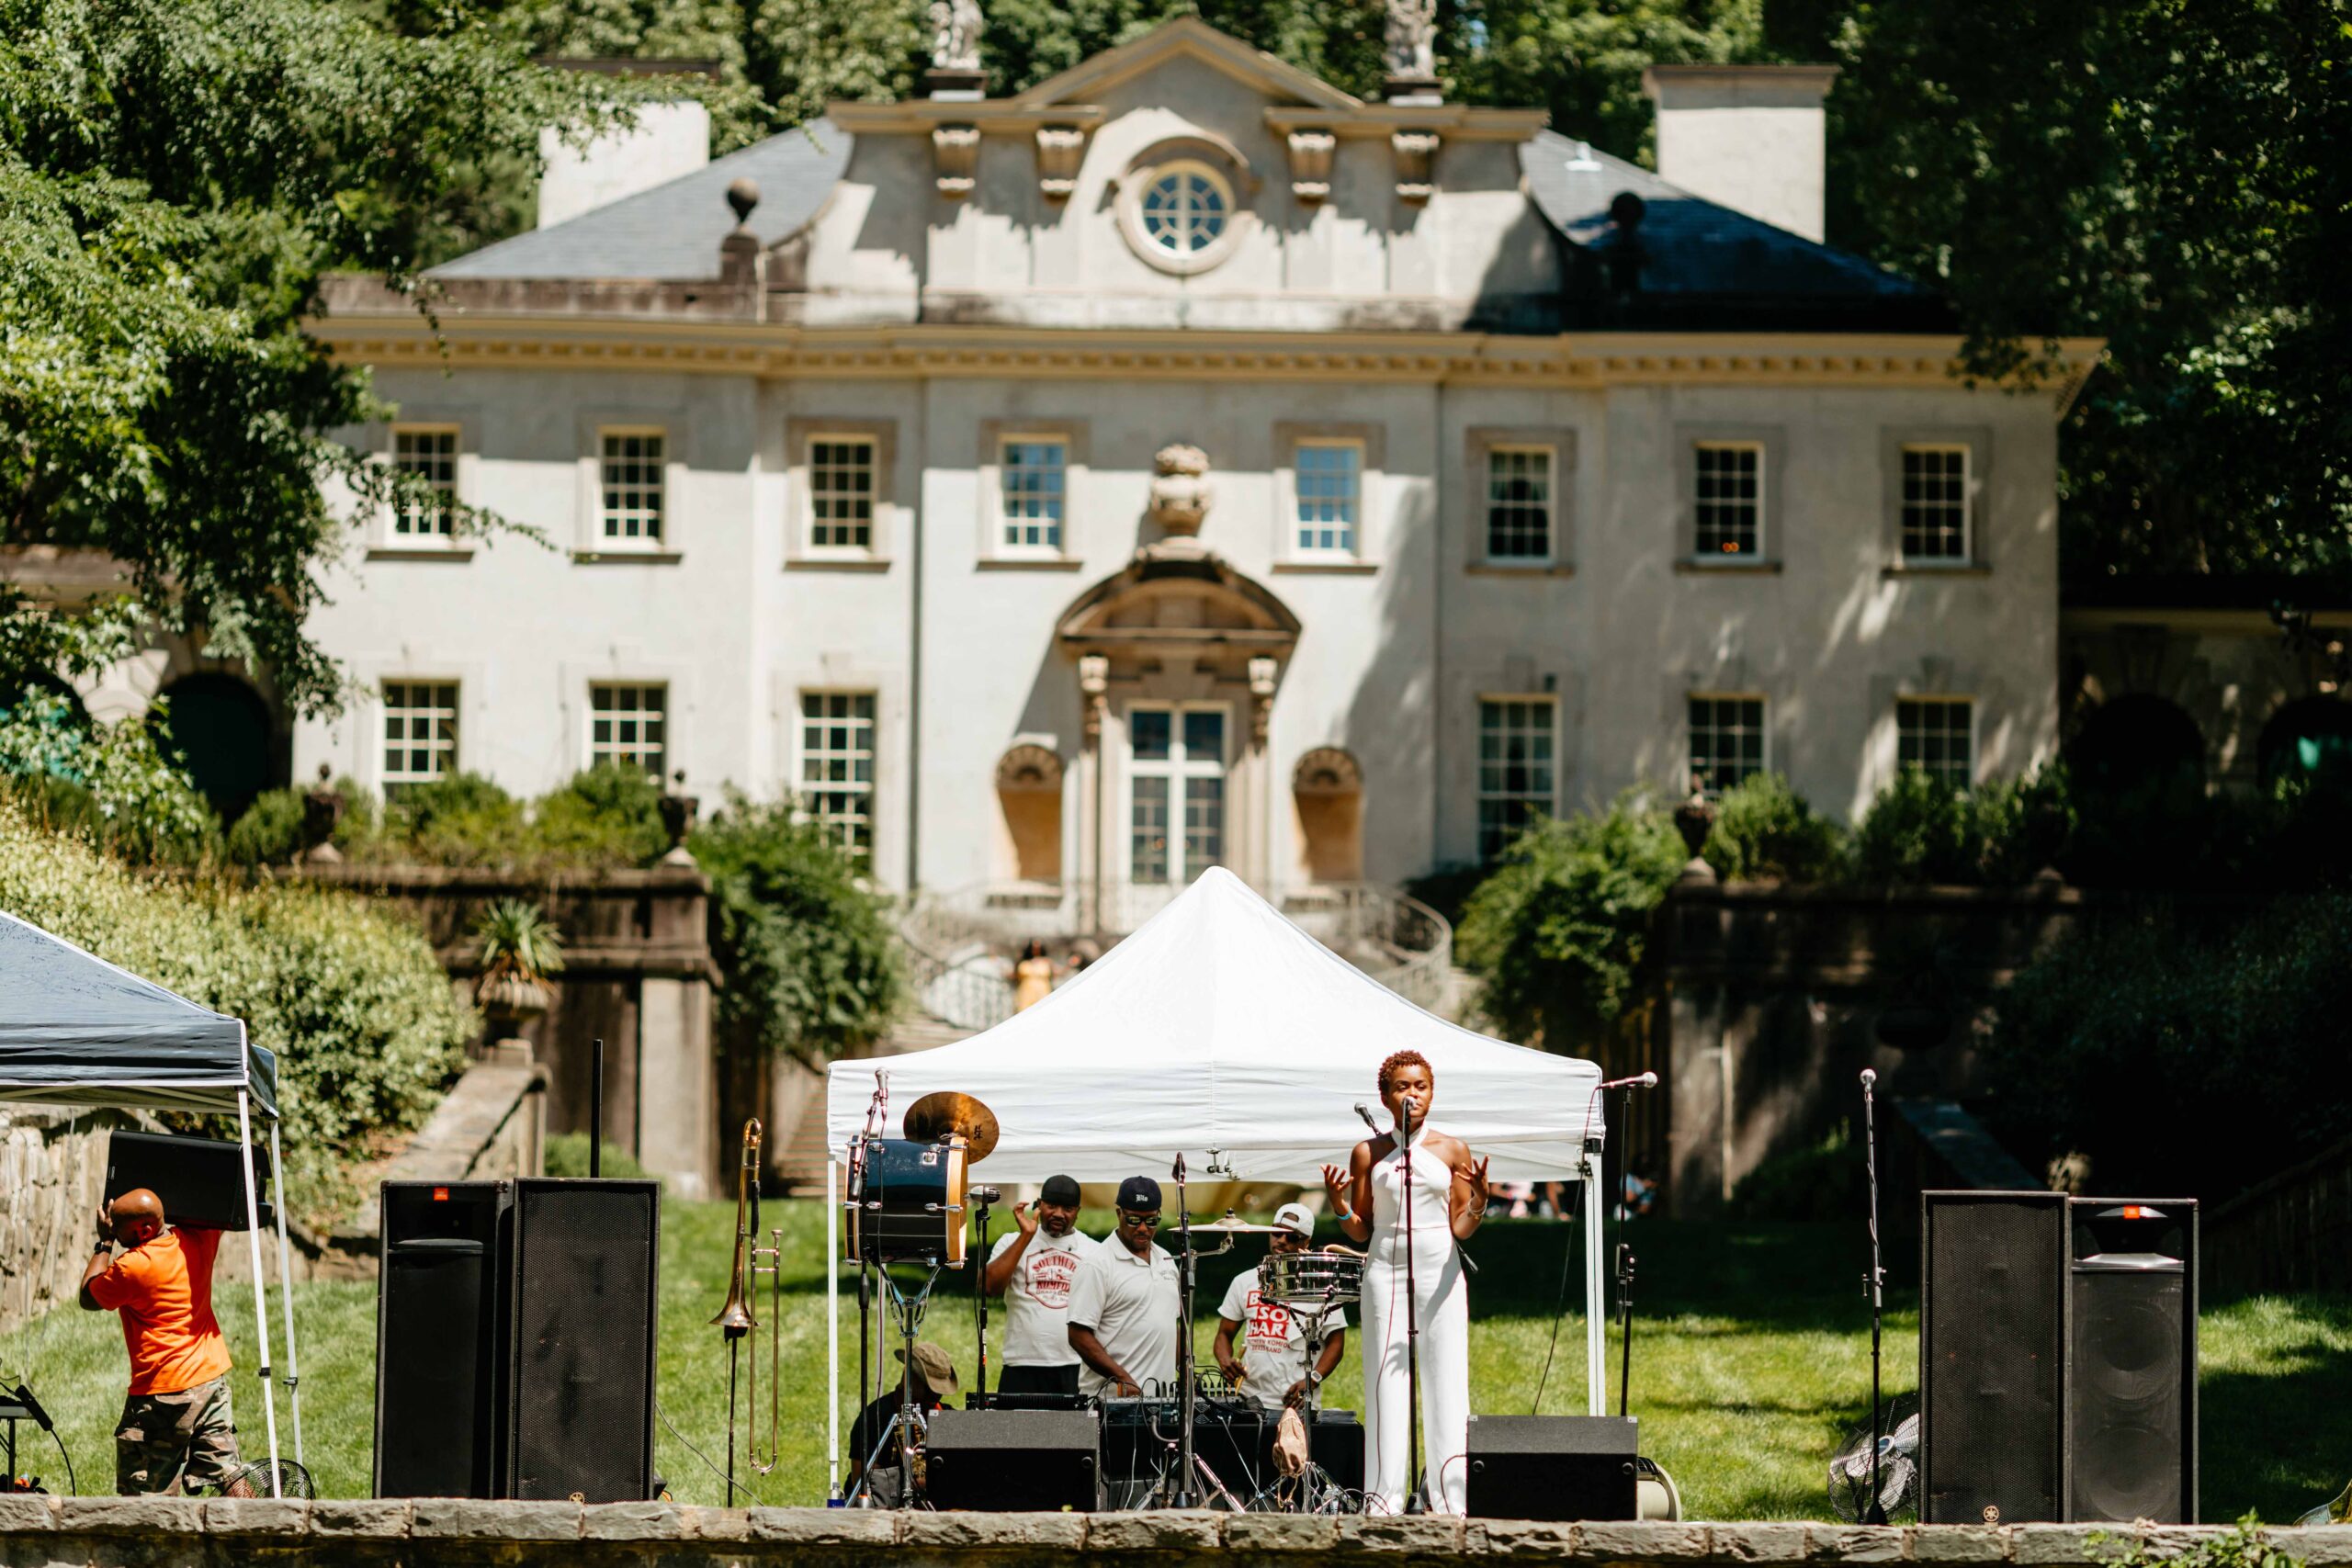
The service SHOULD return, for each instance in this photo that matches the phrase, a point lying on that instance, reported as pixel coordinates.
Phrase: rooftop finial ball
(743, 194)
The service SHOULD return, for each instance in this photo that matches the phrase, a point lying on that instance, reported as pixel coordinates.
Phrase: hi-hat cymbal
(950, 1111)
(1232, 1227)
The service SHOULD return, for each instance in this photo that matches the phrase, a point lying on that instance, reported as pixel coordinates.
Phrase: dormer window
(1185, 208)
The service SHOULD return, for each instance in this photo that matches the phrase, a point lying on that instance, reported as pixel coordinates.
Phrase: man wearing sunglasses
(1123, 1306)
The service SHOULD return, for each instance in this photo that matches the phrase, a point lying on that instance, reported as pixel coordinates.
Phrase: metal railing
(961, 945)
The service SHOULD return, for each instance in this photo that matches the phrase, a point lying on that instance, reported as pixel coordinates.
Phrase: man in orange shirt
(177, 1432)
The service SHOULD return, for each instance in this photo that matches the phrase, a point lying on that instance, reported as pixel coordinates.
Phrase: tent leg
(1596, 1346)
(833, 1328)
(285, 1298)
(261, 1286)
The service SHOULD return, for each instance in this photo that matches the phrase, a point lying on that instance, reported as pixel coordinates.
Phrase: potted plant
(520, 948)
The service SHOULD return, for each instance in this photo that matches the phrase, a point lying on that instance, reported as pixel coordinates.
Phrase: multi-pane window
(431, 457)
(1329, 477)
(1035, 473)
(1176, 783)
(627, 726)
(420, 732)
(632, 480)
(1727, 740)
(841, 494)
(837, 765)
(1728, 493)
(1518, 504)
(1937, 735)
(1515, 768)
(1935, 503)
(1186, 209)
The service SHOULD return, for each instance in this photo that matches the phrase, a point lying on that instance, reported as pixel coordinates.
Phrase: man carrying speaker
(1273, 1370)
(1033, 1269)
(1123, 1306)
(177, 1432)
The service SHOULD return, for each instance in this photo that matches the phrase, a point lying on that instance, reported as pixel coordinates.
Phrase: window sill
(1029, 563)
(421, 552)
(1330, 567)
(1936, 569)
(627, 558)
(1516, 568)
(1710, 565)
(838, 563)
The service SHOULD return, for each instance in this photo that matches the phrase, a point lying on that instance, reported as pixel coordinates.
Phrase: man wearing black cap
(1123, 1306)
(1033, 1269)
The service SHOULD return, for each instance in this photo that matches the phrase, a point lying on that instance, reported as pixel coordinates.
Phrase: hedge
(368, 1032)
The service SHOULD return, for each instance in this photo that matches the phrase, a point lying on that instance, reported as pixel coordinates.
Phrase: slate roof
(1705, 264)
(673, 231)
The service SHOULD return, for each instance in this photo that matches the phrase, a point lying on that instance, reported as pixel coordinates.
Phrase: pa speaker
(200, 1180)
(1013, 1461)
(2057, 1359)
(580, 1395)
(1553, 1467)
(440, 1348)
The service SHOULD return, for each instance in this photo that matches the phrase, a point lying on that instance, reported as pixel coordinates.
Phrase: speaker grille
(436, 1348)
(2129, 1416)
(1991, 1365)
(582, 1407)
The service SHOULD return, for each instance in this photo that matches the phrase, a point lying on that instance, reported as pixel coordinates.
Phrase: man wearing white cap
(1272, 1368)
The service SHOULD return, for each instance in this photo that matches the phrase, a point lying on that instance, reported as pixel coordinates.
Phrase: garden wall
(53, 1170)
(2291, 1232)
(637, 974)
(1765, 1011)
(38, 1532)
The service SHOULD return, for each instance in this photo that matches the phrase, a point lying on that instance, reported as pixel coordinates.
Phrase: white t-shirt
(1273, 1349)
(1130, 1302)
(1037, 1299)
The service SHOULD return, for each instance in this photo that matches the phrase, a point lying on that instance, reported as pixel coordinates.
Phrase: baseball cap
(1059, 1189)
(1295, 1217)
(936, 1368)
(1139, 1194)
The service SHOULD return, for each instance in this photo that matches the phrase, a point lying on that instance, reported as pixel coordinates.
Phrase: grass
(1751, 1360)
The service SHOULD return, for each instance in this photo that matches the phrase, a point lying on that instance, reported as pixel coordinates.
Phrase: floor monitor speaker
(579, 1399)
(1553, 1467)
(1013, 1461)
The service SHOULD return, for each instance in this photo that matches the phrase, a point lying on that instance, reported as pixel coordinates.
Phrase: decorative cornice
(996, 117)
(787, 350)
(1460, 121)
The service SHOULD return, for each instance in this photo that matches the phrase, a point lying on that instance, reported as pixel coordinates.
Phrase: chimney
(1746, 136)
(668, 140)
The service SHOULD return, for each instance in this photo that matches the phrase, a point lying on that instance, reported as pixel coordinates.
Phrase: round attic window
(1180, 216)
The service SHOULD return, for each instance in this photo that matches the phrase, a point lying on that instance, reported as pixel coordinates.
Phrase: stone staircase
(801, 1165)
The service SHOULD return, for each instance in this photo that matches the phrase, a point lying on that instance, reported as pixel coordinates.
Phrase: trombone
(737, 1322)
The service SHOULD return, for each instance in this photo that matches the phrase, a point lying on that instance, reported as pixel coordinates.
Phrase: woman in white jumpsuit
(1448, 1195)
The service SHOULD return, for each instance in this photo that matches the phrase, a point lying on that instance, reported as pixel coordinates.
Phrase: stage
(106, 1532)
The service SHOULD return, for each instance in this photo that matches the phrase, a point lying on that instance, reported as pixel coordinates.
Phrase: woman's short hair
(1395, 1059)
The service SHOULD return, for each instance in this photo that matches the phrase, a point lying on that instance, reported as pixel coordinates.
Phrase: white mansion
(1185, 462)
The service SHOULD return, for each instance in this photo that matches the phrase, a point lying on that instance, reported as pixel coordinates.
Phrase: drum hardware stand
(1876, 1513)
(907, 1421)
(853, 1198)
(1182, 1494)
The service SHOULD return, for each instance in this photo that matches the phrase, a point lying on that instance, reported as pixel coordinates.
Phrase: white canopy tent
(76, 1030)
(1220, 1027)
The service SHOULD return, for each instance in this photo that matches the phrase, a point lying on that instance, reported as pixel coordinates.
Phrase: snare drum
(1311, 1280)
(908, 1206)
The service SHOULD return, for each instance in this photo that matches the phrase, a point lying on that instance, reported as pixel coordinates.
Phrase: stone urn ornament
(321, 810)
(678, 811)
(520, 949)
(1179, 490)
(1694, 819)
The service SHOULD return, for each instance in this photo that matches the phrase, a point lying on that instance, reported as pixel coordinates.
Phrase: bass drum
(907, 1206)
(1655, 1494)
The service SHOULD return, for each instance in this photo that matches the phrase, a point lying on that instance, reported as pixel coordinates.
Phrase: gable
(1187, 38)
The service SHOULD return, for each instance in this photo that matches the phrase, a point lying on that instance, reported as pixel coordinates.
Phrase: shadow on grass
(2275, 1436)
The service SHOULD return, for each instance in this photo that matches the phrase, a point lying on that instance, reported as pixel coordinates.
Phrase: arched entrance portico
(1177, 658)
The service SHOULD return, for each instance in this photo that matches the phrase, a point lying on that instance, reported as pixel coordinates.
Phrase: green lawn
(1751, 1358)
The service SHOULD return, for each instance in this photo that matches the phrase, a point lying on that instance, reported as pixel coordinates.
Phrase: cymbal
(1232, 1227)
(950, 1111)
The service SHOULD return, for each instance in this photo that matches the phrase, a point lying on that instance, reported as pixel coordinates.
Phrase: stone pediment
(1186, 38)
(1193, 604)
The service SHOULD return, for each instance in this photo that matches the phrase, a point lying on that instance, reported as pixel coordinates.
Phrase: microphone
(1639, 1081)
(984, 1196)
(1869, 1077)
(1364, 1112)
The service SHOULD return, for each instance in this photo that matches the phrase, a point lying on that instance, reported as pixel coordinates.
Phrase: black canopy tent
(76, 1030)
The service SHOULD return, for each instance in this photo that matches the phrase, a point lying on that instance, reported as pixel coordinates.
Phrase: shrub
(107, 782)
(1916, 830)
(1764, 828)
(2178, 1045)
(1827, 1180)
(568, 1156)
(463, 819)
(812, 968)
(606, 815)
(1560, 928)
(270, 832)
(367, 1031)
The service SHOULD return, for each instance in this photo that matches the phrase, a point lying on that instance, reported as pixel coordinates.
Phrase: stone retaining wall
(52, 1169)
(46, 1532)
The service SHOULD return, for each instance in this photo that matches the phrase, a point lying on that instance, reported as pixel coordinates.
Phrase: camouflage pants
(172, 1443)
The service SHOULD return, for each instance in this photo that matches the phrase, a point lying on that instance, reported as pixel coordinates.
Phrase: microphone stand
(980, 1311)
(1876, 1513)
(1413, 1504)
(1184, 1495)
(1624, 1260)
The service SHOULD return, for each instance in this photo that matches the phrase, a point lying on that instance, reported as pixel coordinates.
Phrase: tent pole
(1596, 1346)
(286, 1296)
(833, 1328)
(261, 1286)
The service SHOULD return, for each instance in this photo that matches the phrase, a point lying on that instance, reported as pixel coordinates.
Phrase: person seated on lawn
(177, 1431)
(933, 1385)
